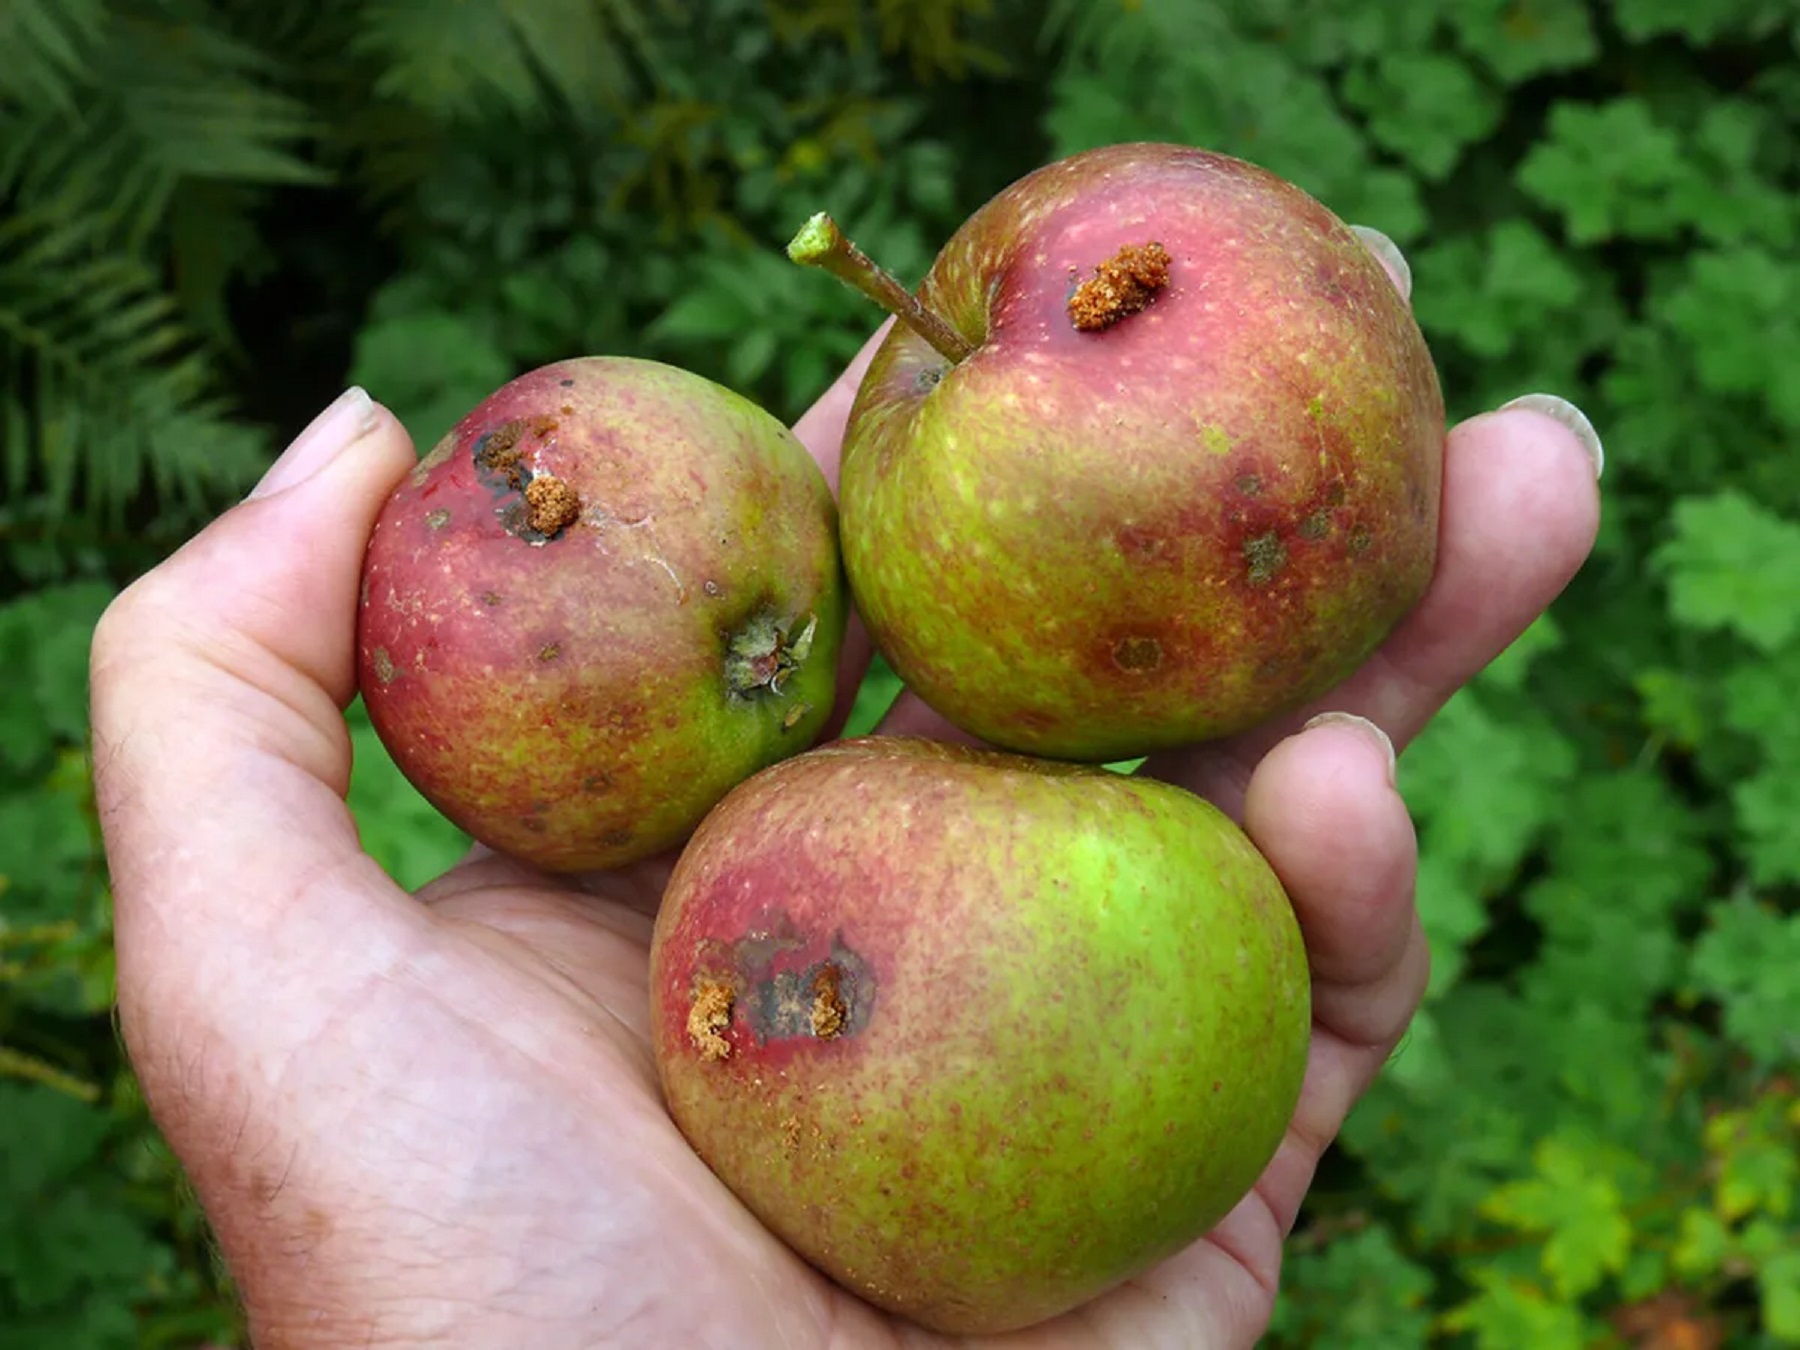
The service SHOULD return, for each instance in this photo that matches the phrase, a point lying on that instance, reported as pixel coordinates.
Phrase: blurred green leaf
(1572, 1201)
(1361, 1292)
(1746, 959)
(1487, 820)
(430, 370)
(1733, 565)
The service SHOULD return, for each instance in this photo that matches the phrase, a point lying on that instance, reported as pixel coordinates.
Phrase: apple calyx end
(765, 653)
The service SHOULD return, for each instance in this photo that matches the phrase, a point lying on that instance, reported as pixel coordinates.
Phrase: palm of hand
(441, 1121)
(509, 1078)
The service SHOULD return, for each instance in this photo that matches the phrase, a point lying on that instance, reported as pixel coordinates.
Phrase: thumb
(221, 760)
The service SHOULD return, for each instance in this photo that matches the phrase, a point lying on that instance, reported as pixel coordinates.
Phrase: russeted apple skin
(1075, 1016)
(565, 699)
(1094, 545)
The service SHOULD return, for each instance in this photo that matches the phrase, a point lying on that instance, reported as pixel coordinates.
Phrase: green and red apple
(1154, 456)
(611, 593)
(978, 1035)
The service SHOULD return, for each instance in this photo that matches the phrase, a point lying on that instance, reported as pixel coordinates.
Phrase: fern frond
(48, 46)
(201, 104)
(160, 102)
(450, 59)
(107, 391)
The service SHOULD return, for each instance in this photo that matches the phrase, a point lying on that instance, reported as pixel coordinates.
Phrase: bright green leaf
(1778, 1281)
(1508, 1314)
(1732, 565)
(1704, 1244)
(1487, 819)
(1576, 1206)
(1758, 1166)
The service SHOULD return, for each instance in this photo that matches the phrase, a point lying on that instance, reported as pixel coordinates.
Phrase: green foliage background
(213, 216)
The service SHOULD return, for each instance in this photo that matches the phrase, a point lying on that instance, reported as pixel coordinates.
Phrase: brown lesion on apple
(498, 450)
(384, 665)
(1264, 557)
(709, 1015)
(552, 505)
(1121, 286)
(436, 520)
(546, 505)
(829, 1012)
(826, 1000)
(1137, 655)
(1317, 525)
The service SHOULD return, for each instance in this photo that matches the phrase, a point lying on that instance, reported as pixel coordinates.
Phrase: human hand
(435, 1118)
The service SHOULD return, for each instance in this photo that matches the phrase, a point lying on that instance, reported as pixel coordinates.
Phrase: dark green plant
(212, 216)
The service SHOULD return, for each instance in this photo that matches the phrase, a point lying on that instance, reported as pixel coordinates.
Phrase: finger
(1520, 512)
(221, 755)
(821, 427)
(821, 430)
(1323, 809)
(1388, 254)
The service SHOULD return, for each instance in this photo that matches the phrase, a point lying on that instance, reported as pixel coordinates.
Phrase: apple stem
(820, 243)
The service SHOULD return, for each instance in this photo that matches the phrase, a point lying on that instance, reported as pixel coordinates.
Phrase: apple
(1153, 457)
(978, 1035)
(608, 595)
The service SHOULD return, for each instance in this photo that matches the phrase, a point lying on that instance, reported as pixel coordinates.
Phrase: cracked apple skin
(608, 595)
(1096, 544)
(979, 1036)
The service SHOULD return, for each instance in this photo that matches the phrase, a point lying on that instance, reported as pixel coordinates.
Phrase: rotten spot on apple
(823, 1002)
(1264, 557)
(551, 505)
(1138, 653)
(708, 1018)
(1121, 286)
(828, 1011)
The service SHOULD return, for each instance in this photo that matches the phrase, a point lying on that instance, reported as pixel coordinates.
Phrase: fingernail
(1391, 257)
(350, 417)
(1368, 729)
(1571, 417)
